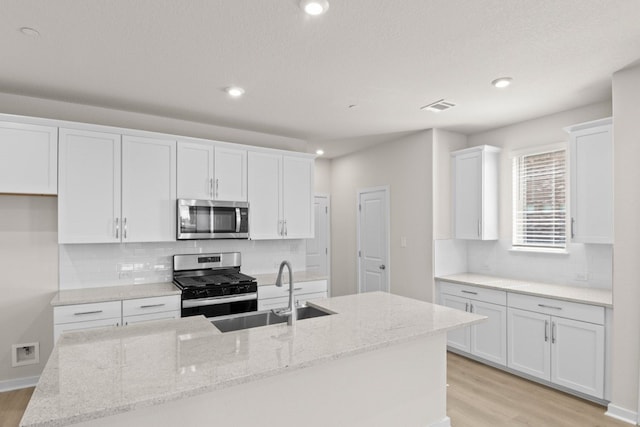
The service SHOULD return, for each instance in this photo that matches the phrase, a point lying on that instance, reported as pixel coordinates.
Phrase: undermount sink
(263, 318)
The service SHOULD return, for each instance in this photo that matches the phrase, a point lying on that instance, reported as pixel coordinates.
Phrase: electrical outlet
(25, 354)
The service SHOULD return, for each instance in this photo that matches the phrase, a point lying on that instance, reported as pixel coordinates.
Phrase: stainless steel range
(212, 285)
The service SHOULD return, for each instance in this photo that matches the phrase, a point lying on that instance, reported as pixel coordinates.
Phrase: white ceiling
(390, 57)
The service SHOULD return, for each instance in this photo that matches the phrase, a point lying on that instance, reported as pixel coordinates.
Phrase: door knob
(382, 267)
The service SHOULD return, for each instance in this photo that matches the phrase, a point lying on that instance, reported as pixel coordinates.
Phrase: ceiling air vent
(438, 106)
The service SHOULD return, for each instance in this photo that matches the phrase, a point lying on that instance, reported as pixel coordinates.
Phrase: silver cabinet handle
(466, 306)
(280, 228)
(82, 313)
(294, 289)
(211, 187)
(469, 292)
(286, 231)
(152, 305)
(549, 306)
(553, 332)
(124, 223)
(117, 228)
(573, 223)
(546, 330)
(382, 267)
(471, 308)
(216, 188)
(479, 228)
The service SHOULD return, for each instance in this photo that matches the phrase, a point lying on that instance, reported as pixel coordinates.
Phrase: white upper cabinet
(280, 196)
(28, 159)
(591, 169)
(297, 197)
(89, 181)
(210, 172)
(475, 193)
(148, 189)
(195, 171)
(115, 189)
(230, 182)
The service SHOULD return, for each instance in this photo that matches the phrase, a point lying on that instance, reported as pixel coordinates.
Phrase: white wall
(405, 165)
(626, 257)
(29, 279)
(322, 176)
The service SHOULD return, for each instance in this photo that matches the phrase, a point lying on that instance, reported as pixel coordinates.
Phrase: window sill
(539, 250)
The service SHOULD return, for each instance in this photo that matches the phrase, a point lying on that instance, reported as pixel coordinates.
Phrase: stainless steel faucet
(291, 310)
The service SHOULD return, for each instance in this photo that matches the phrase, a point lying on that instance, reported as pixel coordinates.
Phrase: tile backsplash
(584, 265)
(95, 265)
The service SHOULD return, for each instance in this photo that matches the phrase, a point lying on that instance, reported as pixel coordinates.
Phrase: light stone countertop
(594, 296)
(298, 276)
(113, 293)
(93, 374)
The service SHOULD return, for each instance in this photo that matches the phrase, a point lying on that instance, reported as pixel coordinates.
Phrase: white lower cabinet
(113, 313)
(487, 339)
(568, 352)
(272, 297)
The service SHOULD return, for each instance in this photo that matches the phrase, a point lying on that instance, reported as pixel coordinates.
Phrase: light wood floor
(477, 396)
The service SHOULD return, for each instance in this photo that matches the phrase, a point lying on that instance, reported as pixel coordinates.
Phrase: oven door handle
(200, 302)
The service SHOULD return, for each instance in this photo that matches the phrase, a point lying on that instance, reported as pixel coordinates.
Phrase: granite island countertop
(97, 373)
(594, 296)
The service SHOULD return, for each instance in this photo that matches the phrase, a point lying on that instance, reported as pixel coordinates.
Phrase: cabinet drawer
(134, 307)
(272, 291)
(559, 308)
(474, 292)
(59, 329)
(148, 317)
(87, 312)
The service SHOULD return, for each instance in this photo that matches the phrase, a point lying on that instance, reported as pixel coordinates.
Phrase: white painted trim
(621, 414)
(18, 383)
(445, 422)
(387, 193)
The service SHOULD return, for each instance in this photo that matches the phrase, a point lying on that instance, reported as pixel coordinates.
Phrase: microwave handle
(238, 219)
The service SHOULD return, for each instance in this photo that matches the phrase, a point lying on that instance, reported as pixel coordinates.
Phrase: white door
(489, 338)
(373, 247)
(230, 174)
(89, 187)
(529, 338)
(148, 190)
(28, 159)
(297, 197)
(458, 338)
(577, 356)
(264, 188)
(467, 195)
(318, 247)
(195, 171)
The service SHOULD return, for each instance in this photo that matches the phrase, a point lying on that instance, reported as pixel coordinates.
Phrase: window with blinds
(539, 200)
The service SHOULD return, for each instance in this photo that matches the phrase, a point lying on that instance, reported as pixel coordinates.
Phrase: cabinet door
(89, 187)
(592, 185)
(230, 174)
(28, 159)
(264, 187)
(141, 318)
(297, 192)
(577, 356)
(459, 338)
(195, 171)
(148, 190)
(467, 193)
(529, 343)
(489, 338)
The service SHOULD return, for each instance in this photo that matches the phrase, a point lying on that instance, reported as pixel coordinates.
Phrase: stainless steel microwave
(212, 219)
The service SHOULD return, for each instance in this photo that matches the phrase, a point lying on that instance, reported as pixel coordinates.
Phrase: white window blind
(539, 196)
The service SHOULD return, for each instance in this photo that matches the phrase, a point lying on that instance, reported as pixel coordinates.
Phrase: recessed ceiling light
(28, 31)
(235, 91)
(319, 152)
(502, 82)
(314, 7)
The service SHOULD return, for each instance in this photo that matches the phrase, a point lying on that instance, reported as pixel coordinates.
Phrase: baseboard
(445, 422)
(621, 414)
(18, 383)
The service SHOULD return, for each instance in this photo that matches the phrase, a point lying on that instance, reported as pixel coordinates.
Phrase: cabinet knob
(382, 267)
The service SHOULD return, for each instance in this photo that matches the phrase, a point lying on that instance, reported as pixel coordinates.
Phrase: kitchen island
(379, 360)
